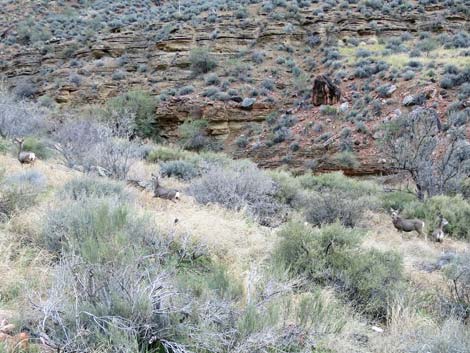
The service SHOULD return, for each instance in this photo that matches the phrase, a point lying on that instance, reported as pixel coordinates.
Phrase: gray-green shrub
(332, 255)
(180, 169)
(201, 61)
(20, 191)
(238, 186)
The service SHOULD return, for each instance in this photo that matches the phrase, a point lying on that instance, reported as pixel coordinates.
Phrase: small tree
(201, 61)
(139, 106)
(436, 163)
(428, 45)
(193, 134)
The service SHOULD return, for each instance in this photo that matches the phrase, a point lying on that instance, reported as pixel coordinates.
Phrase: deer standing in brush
(23, 156)
(408, 225)
(438, 234)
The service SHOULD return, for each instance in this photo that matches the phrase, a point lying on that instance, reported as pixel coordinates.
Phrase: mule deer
(14, 342)
(24, 157)
(164, 193)
(408, 225)
(438, 234)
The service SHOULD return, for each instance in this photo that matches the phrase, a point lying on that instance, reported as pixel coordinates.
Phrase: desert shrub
(281, 134)
(186, 90)
(363, 53)
(432, 173)
(193, 134)
(458, 276)
(332, 255)
(119, 273)
(451, 336)
(164, 153)
(201, 61)
(328, 110)
(268, 84)
(210, 91)
(179, 169)
(139, 107)
(76, 138)
(338, 181)
(20, 191)
(454, 208)
(107, 239)
(84, 186)
(329, 207)
(346, 159)
(37, 146)
(25, 89)
(19, 118)
(398, 200)
(427, 45)
(212, 79)
(408, 75)
(258, 57)
(241, 141)
(118, 75)
(116, 156)
(238, 186)
(4, 145)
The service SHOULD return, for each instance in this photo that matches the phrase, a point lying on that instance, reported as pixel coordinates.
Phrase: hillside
(235, 243)
(387, 58)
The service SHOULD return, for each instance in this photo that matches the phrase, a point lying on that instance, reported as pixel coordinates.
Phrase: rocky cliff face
(74, 71)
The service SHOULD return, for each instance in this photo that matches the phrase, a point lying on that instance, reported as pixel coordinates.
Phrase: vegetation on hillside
(114, 278)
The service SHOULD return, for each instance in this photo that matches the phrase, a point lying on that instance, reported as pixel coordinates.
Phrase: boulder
(248, 103)
(343, 108)
(391, 89)
(408, 101)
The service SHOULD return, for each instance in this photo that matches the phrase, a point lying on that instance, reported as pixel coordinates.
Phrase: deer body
(164, 193)
(24, 157)
(13, 342)
(408, 225)
(438, 234)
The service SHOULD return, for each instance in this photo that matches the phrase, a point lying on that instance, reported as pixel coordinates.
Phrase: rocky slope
(268, 52)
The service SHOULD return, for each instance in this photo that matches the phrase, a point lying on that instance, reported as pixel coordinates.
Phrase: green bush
(4, 145)
(85, 225)
(331, 206)
(138, 105)
(332, 255)
(339, 181)
(288, 187)
(20, 191)
(165, 153)
(92, 187)
(180, 169)
(398, 200)
(201, 61)
(193, 134)
(454, 208)
(346, 159)
(31, 144)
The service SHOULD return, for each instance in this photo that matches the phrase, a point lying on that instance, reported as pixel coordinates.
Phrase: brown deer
(438, 234)
(408, 225)
(15, 342)
(164, 193)
(24, 157)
